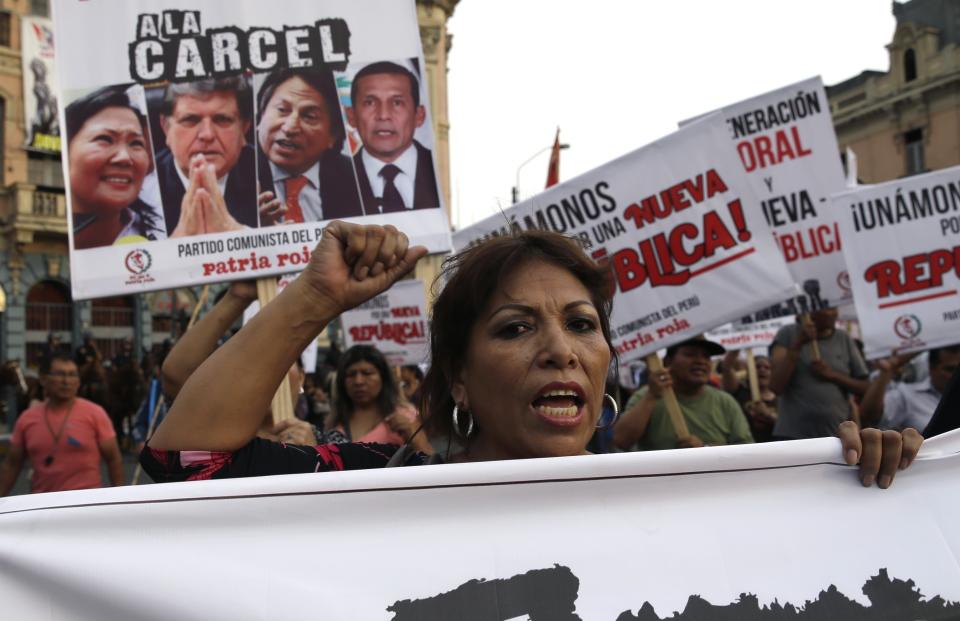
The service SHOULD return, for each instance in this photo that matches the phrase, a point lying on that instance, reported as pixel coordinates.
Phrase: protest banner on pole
(595, 537)
(39, 68)
(211, 188)
(901, 241)
(681, 228)
(395, 322)
(738, 335)
(752, 380)
(787, 146)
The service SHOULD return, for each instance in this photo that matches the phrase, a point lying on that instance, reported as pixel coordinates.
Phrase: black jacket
(338, 185)
(424, 184)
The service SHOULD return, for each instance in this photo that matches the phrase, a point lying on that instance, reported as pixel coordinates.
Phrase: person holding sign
(813, 390)
(109, 160)
(908, 405)
(201, 340)
(367, 405)
(713, 416)
(761, 413)
(303, 175)
(395, 171)
(520, 349)
(206, 173)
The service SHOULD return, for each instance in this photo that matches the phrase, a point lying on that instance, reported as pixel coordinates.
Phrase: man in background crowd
(712, 416)
(65, 437)
(814, 392)
(902, 404)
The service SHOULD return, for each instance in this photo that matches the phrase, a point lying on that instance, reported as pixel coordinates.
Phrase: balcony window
(40, 7)
(909, 65)
(913, 140)
(6, 24)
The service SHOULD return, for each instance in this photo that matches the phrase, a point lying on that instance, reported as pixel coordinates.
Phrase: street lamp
(516, 187)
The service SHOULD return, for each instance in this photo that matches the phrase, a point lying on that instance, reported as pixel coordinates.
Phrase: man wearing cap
(712, 416)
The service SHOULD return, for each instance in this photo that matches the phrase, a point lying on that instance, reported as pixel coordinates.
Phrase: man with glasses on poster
(65, 437)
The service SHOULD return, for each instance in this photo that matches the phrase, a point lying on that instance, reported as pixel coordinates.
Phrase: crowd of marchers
(539, 311)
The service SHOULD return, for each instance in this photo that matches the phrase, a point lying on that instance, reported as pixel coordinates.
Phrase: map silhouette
(551, 594)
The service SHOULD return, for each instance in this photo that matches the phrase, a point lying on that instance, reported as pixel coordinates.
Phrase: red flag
(553, 169)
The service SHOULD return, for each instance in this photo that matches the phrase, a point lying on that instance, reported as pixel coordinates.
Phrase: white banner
(39, 84)
(902, 246)
(264, 99)
(786, 143)
(740, 335)
(681, 228)
(395, 322)
(715, 532)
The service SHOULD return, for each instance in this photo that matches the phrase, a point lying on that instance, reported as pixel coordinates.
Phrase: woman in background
(367, 403)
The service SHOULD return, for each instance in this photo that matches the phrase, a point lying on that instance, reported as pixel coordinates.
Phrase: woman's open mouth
(559, 404)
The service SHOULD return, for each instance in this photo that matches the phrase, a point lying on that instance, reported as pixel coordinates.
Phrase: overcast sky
(617, 74)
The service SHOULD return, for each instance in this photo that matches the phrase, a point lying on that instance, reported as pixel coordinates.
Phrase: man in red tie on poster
(65, 437)
(303, 174)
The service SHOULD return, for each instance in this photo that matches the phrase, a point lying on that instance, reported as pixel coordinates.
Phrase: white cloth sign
(218, 90)
(395, 322)
(587, 537)
(39, 84)
(681, 228)
(902, 246)
(740, 335)
(786, 143)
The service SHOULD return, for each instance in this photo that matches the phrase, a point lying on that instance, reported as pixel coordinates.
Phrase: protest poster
(902, 245)
(779, 528)
(752, 335)
(395, 322)
(680, 227)
(785, 141)
(237, 135)
(309, 355)
(39, 70)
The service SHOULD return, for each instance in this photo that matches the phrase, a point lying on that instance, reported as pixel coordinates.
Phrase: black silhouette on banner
(551, 595)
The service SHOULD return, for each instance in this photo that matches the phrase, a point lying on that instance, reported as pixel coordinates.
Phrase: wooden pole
(670, 400)
(752, 377)
(282, 404)
(814, 346)
(150, 428)
(196, 309)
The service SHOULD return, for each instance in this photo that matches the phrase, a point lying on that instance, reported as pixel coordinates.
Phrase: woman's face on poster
(109, 158)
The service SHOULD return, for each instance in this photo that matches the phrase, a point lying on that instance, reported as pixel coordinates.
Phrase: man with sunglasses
(65, 437)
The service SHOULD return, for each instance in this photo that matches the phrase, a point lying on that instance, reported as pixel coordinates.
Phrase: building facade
(906, 120)
(35, 296)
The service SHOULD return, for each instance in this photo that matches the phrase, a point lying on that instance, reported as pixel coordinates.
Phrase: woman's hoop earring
(456, 422)
(607, 398)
